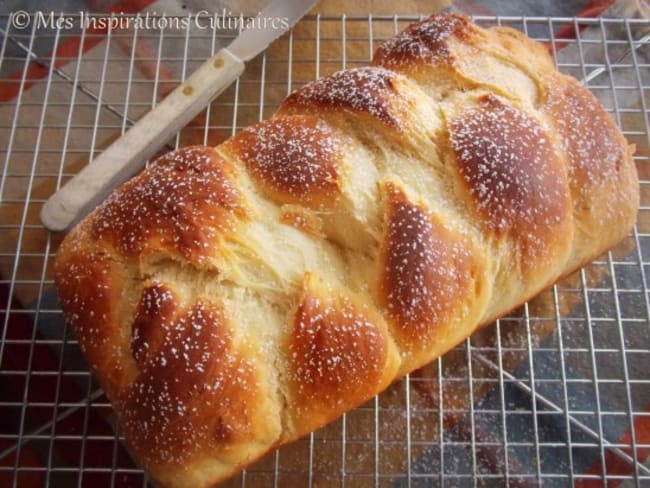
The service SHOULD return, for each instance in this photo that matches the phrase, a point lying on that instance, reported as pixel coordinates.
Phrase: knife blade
(124, 157)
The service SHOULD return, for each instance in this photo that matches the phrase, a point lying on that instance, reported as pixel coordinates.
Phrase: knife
(124, 157)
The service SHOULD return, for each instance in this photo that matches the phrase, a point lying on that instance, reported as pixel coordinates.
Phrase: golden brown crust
(339, 355)
(515, 182)
(428, 274)
(194, 393)
(422, 279)
(182, 206)
(423, 43)
(591, 139)
(302, 218)
(230, 300)
(86, 280)
(599, 162)
(369, 90)
(295, 159)
(157, 307)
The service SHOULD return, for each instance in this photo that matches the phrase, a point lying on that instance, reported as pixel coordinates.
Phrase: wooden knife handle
(127, 155)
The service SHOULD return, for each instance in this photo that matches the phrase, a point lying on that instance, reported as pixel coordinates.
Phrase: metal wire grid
(554, 394)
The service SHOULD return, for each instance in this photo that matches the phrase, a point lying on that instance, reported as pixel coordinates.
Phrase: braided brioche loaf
(233, 299)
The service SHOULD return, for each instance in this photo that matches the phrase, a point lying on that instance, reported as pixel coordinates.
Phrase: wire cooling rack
(555, 394)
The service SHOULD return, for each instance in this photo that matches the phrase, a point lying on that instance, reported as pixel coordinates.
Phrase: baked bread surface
(233, 299)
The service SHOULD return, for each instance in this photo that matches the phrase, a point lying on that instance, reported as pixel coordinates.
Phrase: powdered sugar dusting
(184, 199)
(157, 306)
(336, 352)
(85, 285)
(369, 89)
(588, 137)
(191, 393)
(590, 140)
(507, 162)
(422, 42)
(295, 157)
(425, 267)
